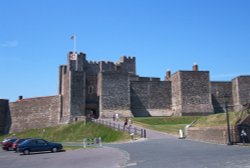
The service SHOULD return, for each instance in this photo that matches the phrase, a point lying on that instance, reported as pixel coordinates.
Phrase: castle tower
(114, 87)
(72, 87)
(168, 75)
(126, 64)
(191, 92)
(241, 91)
(5, 120)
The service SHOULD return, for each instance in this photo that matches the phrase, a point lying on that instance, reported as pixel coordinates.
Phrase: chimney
(168, 75)
(20, 98)
(195, 67)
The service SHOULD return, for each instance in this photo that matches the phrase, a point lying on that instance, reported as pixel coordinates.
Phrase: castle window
(91, 89)
(118, 68)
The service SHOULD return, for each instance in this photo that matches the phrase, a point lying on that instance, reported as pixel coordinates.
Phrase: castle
(100, 89)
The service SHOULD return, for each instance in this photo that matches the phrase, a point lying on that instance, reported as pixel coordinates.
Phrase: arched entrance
(92, 111)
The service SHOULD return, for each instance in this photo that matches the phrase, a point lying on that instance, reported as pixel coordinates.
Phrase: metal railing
(132, 130)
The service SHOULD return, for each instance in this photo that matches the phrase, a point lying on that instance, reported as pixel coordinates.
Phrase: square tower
(191, 93)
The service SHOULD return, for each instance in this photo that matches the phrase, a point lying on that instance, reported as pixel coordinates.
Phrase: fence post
(141, 133)
(100, 141)
(84, 143)
(135, 131)
(145, 135)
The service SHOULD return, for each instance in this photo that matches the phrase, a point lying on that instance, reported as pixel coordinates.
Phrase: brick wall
(34, 113)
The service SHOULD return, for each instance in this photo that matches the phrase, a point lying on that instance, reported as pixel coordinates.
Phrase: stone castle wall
(64, 94)
(151, 98)
(77, 94)
(104, 88)
(127, 65)
(114, 94)
(241, 91)
(218, 92)
(191, 93)
(5, 120)
(34, 113)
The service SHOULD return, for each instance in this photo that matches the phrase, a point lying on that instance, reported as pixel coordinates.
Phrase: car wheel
(54, 149)
(26, 152)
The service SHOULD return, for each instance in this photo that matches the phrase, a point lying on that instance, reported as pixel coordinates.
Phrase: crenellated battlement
(93, 63)
(101, 89)
(125, 59)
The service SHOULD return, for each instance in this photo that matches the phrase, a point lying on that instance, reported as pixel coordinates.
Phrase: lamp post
(226, 99)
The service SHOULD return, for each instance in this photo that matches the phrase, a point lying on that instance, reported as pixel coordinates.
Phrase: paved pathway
(151, 134)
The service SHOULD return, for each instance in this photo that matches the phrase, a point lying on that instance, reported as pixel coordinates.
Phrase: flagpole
(74, 44)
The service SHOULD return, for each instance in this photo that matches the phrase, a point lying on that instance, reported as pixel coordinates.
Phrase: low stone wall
(34, 113)
(208, 134)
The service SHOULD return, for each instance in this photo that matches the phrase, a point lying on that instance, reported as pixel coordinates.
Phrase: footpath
(150, 134)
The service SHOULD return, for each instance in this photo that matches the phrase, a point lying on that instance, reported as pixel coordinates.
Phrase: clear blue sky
(161, 34)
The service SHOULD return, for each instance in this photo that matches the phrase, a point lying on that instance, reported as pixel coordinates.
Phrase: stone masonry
(101, 89)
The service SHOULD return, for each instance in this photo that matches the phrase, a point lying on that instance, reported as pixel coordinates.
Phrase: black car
(38, 145)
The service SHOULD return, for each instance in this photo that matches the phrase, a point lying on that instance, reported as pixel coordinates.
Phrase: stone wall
(151, 98)
(92, 100)
(64, 93)
(34, 113)
(127, 65)
(208, 134)
(191, 93)
(176, 93)
(77, 93)
(5, 119)
(218, 92)
(114, 94)
(241, 91)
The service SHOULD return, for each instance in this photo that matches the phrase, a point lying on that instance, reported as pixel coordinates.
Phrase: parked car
(17, 142)
(7, 143)
(38, 145)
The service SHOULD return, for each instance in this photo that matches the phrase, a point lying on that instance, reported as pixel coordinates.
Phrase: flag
(73, 56)
(72, 37)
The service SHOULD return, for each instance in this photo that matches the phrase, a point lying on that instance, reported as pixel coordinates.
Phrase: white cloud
(13, 43)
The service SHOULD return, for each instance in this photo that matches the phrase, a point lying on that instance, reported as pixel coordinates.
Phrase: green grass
(165, 124)
(172, 124)
(74, 132)
(217, 120)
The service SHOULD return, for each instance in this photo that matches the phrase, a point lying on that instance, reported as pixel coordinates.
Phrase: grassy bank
(74, 132)
(173, 124)
(165, 124)
(217, 120)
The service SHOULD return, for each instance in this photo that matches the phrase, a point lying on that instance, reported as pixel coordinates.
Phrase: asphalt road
(105, 157)
(151, 153)
(174, 153)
